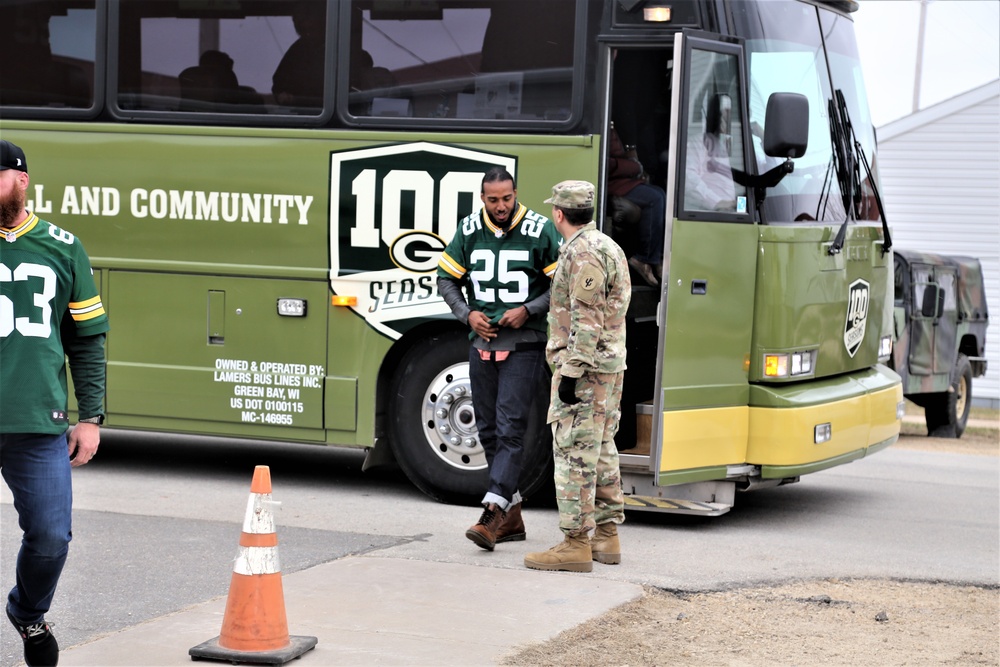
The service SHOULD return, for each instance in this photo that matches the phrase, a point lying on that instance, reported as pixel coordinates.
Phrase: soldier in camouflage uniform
(591, 290)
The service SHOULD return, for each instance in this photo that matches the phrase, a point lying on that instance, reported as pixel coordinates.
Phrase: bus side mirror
(786, 125)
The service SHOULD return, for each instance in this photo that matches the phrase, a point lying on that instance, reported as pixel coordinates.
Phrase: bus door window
(714, 147)
(51, 49)
(497, 60)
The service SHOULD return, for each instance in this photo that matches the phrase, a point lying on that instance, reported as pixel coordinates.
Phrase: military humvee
(940, 320)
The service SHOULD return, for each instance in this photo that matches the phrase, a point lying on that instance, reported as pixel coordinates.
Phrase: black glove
(567, 391)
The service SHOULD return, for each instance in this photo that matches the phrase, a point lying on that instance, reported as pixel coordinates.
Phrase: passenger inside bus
(638, 230)
(709, 181)
(37, 78)
(298, 79)
(384, 99)
(213, 81)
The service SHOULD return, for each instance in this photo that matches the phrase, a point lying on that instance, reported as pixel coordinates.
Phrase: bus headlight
(884, 348)
(789, 364)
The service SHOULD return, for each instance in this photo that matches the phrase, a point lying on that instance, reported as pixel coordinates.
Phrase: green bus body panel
(708, 335)
(797, 307)
(191, 294)
(692, 475)
(823, 392)
(783, 472)
(264, 369)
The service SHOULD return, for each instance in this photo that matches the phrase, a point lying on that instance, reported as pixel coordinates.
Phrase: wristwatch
(99, 419)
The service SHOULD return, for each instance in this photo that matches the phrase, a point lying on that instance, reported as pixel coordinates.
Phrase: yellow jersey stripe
(451, 266)
(88, 315)
(550, 269)
(78, 305)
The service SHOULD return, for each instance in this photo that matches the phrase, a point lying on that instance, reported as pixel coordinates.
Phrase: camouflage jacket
(591, 290)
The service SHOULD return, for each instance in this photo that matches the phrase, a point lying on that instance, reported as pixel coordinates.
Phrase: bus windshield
(786, 51)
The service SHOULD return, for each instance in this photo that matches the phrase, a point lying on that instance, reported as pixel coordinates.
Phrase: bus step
(675, 506)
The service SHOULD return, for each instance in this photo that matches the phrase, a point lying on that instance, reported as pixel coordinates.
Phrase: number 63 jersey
(46, 291)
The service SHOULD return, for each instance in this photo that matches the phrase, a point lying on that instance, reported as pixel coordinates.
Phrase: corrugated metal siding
(941, 189)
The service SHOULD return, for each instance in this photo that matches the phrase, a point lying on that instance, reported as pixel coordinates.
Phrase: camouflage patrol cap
(572, 194)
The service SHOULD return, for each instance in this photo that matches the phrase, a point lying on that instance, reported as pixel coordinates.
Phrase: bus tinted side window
(497, 60)
(265, 57)
(50, 48)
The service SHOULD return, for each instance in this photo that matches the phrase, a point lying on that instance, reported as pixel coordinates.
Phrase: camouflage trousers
(587, 479)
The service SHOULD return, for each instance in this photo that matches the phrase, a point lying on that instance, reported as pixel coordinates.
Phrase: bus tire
(947, 413)
(430, 390)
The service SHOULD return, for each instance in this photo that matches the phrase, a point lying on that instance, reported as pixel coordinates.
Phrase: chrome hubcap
(449, 420)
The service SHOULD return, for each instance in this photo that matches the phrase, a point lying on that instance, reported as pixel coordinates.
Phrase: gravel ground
(829, 622)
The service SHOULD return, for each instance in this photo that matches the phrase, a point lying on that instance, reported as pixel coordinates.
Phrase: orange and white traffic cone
(254, 627)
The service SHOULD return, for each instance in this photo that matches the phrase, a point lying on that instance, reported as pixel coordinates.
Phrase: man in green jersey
(504, 255)
(591, 291)
(49, 310)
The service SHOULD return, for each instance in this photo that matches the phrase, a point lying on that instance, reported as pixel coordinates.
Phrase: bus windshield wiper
(848, 156)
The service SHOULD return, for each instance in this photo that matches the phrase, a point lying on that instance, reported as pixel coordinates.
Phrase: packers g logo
(857, 316)
(417, 251)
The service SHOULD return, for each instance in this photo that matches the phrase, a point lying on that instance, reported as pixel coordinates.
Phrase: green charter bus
(264, 187)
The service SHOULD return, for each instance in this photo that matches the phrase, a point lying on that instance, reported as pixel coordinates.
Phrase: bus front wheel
(432, 425)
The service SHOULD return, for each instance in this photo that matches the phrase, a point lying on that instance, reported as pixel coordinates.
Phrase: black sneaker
(40, 646)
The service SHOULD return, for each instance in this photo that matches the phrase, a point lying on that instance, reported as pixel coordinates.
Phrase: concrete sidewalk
(386, 611)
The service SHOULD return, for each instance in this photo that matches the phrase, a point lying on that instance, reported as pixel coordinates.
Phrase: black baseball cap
(12, 157)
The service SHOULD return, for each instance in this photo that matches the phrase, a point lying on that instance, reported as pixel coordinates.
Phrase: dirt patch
(975, 440)
(830, 622)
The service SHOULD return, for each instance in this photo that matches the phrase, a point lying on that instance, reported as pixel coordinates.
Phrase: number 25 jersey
(505, 269)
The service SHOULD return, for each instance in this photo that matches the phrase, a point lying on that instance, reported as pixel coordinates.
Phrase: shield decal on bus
(857, 316)
(393, 209)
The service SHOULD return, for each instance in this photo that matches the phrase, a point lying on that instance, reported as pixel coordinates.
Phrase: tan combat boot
(572, 555)
(511, 529)
(484, 532)
(605, 546)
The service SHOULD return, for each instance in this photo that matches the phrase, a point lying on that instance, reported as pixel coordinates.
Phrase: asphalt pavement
(380, 575)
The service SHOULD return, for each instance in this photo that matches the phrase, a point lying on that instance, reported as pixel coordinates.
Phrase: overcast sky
(961, 51)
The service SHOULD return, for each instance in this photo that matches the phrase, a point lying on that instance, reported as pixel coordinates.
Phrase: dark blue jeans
(37, 470)
(502, 395)
(653, 202)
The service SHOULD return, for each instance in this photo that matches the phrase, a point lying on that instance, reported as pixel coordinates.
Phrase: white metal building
(940, 175)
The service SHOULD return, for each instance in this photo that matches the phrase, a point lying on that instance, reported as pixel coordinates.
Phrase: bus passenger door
(709, 267)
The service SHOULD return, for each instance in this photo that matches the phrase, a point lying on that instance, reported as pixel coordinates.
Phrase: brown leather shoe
(484, 533)
(511, 529)
(644, 270)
